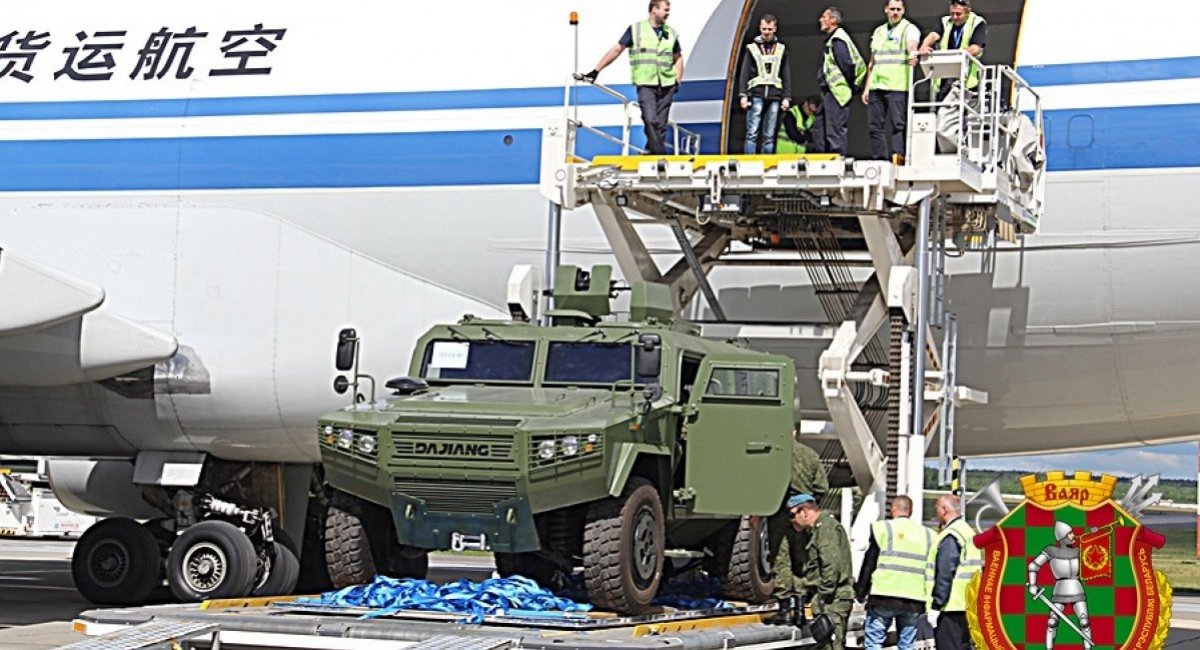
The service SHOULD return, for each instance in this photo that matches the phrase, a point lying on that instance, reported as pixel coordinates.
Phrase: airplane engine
(99, 487)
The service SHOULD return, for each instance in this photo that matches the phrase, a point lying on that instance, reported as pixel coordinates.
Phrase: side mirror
(341, 384)
(648, 357)
(347, 345)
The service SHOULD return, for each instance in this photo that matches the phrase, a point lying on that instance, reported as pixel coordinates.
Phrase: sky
(1171, 461)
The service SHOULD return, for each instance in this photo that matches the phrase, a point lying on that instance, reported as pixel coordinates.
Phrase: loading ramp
(975, 174)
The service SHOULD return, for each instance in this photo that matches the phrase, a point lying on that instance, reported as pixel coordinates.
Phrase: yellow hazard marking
(242, 603)
(630, 163)
(698, 624)
(9, 532)
(79, 627)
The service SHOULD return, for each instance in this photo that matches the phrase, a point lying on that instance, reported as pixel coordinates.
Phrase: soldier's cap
(800, 499)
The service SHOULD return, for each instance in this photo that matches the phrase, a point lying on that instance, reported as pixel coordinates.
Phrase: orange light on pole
(574, 17)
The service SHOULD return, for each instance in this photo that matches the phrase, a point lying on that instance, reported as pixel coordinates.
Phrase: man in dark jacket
(766, 86)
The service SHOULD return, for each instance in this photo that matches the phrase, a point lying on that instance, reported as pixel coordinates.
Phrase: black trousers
(829, 125)
(655, 102)
(952, 631)
(884, 107)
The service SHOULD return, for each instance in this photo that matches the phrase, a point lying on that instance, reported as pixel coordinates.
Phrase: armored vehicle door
(739, 434)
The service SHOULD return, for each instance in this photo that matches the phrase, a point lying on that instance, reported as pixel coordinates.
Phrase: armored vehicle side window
(589, 363)
(479, 360)
(743, 382)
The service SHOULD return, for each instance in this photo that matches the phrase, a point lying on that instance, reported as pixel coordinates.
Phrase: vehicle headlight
(329, 429)
(570, 446)
(346, 439)
(546, 449)
(366, 444)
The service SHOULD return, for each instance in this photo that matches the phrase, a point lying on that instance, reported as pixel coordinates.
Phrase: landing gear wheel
(279, 573)
(116, 562)
(623, 542)
(532, 566)
(213, 559)
(747, 569)
(409, 562)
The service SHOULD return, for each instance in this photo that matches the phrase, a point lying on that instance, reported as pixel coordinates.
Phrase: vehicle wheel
(213, 559)
(747, 569)
(532, 566)
(348, 553)
(279, 573)
(116, 562)
(623, 542)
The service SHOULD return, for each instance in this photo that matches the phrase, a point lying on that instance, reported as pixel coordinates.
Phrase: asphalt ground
(38, 599)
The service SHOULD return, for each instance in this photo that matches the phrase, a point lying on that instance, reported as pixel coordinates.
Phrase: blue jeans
(879, 619)
(761, 117)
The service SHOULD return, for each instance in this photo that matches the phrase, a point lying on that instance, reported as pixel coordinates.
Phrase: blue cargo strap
(475, 599)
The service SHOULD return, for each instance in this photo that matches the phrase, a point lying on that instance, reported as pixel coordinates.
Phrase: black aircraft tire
(212, 559)
(409, 562)
(282, 573)
(747, 574)
(116, 562)
(530, 565)
(348, 555)
(623, 543)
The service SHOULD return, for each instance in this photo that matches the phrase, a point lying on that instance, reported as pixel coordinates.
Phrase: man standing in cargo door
(785, 544)
(889, 74)
(656, 61)
(841, 73)
(766, 86)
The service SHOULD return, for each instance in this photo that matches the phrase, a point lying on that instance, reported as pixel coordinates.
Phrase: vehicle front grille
(476, 448)
(457, 496)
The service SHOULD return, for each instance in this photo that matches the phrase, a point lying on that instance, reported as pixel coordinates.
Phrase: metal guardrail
(683, 141)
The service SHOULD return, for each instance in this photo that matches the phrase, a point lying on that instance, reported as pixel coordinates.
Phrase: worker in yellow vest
(656, 62)
(840, 78)
(889, 74)
(963, 29)
(953, 561)
(765, 86)
(795, 126)
(891, 580)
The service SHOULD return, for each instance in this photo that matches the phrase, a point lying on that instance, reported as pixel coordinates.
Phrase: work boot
(786, 615)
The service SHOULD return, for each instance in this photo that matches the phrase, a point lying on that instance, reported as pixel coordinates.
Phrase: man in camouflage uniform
(785, 543)
(828, 574)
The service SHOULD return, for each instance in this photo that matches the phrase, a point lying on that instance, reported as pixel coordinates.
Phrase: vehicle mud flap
(624, 458)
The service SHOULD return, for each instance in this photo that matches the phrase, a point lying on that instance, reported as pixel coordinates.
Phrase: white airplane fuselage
(382, 175)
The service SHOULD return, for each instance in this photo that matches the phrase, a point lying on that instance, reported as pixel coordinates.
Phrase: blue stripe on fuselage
(700, 90)
(1070, 74)
(1077, 139)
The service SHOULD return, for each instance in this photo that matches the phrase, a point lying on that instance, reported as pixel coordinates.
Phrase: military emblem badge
(1070, 568)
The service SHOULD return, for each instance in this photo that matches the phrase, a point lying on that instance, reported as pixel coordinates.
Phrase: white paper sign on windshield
(451, 355)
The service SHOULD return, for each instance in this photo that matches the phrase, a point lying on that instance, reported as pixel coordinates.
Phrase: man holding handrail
(656, 61)
(963, 29)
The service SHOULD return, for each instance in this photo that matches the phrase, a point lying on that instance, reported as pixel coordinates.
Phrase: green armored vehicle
(610, 446)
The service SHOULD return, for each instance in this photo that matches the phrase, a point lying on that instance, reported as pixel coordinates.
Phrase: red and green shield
(1128, 602)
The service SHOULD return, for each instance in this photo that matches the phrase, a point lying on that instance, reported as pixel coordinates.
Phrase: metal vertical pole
(553, 254)
(922, 326)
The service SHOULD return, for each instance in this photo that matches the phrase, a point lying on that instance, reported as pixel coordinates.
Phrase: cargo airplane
(197, 197)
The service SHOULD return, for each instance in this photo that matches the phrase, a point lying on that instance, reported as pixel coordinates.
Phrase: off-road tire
(623, 543)
(116, 562)
(219, 544)
(348, 553)
(745, 566)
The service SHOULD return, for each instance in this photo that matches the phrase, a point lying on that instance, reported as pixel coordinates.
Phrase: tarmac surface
(38, 599)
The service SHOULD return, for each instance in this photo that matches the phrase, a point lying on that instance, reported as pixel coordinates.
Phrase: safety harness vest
(784, 142)
(652, 59)
(767, 65)
(903, 553)
(974, 20)
(970, 561)
(889, 51)
(841, 89)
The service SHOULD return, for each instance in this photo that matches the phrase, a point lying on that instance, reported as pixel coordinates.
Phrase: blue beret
(800, 499)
